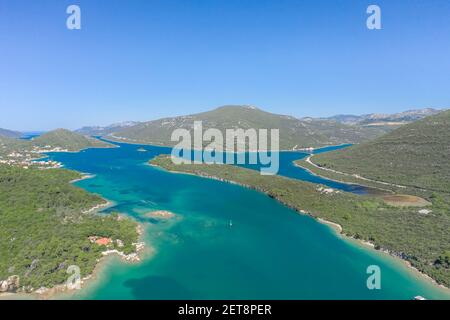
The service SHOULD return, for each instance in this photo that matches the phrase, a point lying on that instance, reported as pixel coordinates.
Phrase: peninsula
(46, 223)
(369, 218)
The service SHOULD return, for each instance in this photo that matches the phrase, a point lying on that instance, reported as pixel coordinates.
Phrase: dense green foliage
(61, 138)
(419, 238)
(293, 132)
(69, 140)
(43, 229)
(415, 155)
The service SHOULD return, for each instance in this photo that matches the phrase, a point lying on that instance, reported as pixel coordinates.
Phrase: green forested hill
(416, 155)
(68, 140)
(60, 138)
(294, 133)
(43, 229)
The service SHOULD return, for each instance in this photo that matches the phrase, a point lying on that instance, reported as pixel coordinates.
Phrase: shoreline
(306, 150)
(107, 258)
(308, 160)
(84, 176)
(337, 229)
(44, 152)
(62, 292)
(97, 207)
(356, 176)
(338, 181)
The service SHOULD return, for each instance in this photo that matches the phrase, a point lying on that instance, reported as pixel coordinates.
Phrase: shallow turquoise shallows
(228, 242)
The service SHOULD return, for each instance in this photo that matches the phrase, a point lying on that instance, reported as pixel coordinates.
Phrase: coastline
(355, 176)
(337, 228)
(62, 292)
(338, 181)
(307, 150)
(44, 152)
(84, 176)
(100, 206)
(142, 250)
(104, 262)
(89, 282)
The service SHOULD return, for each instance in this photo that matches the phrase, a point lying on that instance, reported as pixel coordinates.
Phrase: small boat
(419, 298)
(231, 223)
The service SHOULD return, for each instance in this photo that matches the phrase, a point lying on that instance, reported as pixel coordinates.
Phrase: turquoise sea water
(288, 169)
(269, 252)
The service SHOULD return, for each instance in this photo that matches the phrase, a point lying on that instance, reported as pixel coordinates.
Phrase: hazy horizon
(151, 119)
(144, 60)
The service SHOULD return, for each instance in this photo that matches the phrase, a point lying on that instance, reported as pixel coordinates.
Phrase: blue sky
(141, 60)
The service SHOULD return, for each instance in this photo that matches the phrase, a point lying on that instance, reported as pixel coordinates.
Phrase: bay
(269, 251)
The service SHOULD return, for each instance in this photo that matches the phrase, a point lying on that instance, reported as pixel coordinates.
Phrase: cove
(269, 252)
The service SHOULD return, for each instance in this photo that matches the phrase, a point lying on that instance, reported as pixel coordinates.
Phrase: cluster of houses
(109, 244)
(48, 149)
(27, 160)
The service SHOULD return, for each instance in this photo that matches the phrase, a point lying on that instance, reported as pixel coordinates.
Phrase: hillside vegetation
(380, 119)
(422, 239)
(68, 140)
(9, 145)
(415, 155)
(102, 131)
(9, 133)
(294, 133)
(43, 230)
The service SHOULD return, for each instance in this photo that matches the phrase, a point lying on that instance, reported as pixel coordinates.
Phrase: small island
(160, 214)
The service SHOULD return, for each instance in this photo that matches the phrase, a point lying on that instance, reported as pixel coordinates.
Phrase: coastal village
(27, 158)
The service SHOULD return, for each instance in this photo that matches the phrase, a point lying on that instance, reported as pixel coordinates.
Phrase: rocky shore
(337, 227)
(10, 287)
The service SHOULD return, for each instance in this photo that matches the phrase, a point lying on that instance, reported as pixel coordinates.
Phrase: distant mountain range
(294, 133)
(9, 133)
(384, 119)
(102, 131)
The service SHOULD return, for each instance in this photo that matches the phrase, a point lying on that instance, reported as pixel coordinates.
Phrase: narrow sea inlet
(268, 251)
